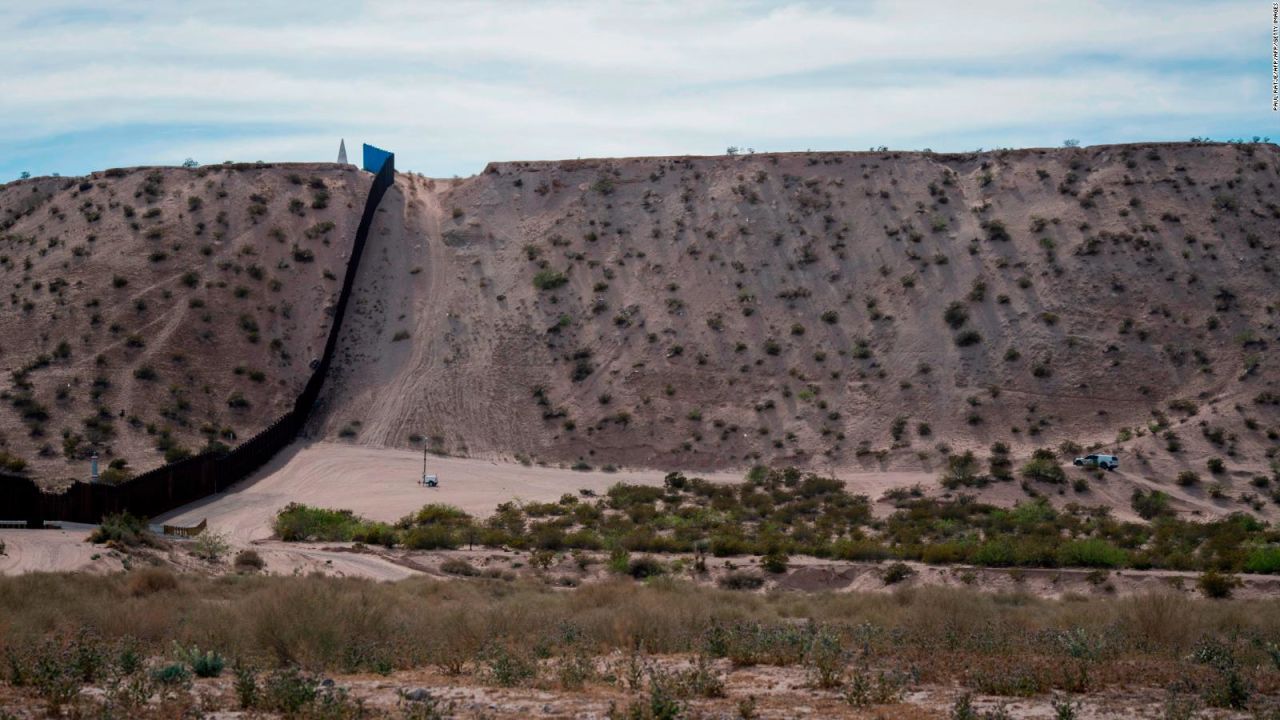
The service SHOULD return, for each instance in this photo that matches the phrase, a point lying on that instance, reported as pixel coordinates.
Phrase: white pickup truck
(1106, 462)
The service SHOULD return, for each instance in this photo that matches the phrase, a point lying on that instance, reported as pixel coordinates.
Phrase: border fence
(170, 486)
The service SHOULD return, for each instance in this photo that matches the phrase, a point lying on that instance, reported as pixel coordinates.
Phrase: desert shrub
(645, 567)
(246, 686)
(458, 566)
(376, 533)
(774, 561)
(548, 279)
(210, 545)
(1187, 478)
(507, 666)
(1216, 466)
(1231, 688)
(171, 674)
(865, 689)
(1150, 505)
(1263, 560)
(741, 581)
(1044, 466)
(962, 470)
(747, 643)
(431, 537)
(123, 529)
(965, 338)
(248, 561)
(1217, 585)
(287, 690)
(11, 463)
(301, 522)
(205, 664)
(956, 315)
(1092, 552)
(825, 660)
(895, 573)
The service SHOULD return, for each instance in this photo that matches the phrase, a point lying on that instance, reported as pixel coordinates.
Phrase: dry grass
(315, 621)
(528, 635)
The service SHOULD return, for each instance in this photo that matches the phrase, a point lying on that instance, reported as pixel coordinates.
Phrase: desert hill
(834, 310)
(156, 312)
(876, 310)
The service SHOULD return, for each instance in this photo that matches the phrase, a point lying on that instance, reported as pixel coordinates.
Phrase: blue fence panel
(374, 158)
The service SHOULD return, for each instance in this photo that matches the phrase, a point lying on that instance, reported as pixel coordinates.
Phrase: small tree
(1070, 143)
(210, 545)
(189, 163)
(25, 175)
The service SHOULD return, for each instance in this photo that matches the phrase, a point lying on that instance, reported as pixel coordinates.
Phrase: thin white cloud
(476, 81)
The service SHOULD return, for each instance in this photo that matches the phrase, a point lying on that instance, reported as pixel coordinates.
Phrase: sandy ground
(381, 484)
(64, 549)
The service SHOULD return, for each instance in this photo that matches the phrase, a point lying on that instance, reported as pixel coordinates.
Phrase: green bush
(171, 674)
(645, 567)
(206, 664)
(956, 315)
(1216, 585)
(1263, 560)
(376, 533)
(775, 561)
(1092, 552)
(431, 537)
(549, 279)
(896, 573)
(11, 463)
(1044, 466)
(300, 522)
(962, 470)
(124, 529)
(1150, 505)
(783, 512)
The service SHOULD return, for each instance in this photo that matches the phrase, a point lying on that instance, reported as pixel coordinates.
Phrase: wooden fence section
(181, 531)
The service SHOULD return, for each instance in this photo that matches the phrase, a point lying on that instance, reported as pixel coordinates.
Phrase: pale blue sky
(449, 86)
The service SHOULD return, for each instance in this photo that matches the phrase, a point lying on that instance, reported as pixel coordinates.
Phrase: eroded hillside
(832, 310)
(826, 309)
(157, 312)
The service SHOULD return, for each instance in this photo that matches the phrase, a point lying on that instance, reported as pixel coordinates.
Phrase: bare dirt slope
(835, 310)
(153, 312)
